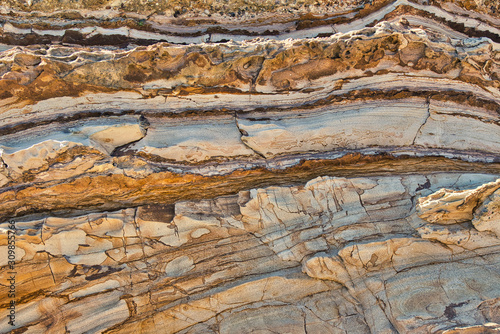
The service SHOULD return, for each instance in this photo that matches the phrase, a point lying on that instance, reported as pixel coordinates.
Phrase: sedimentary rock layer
(334, 253)
(122, 23)
(237, 167)
(251, 102)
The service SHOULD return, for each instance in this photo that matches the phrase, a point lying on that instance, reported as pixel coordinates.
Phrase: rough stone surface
(348, 252)
(250, 166)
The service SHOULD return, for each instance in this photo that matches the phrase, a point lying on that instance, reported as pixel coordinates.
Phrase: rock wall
(250, 167)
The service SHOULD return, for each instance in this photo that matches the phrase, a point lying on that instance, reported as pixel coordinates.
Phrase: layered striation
(380, 254)
(305, 167)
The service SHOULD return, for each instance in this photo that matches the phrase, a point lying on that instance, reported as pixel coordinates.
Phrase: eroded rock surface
(250, 167)
(348, 253)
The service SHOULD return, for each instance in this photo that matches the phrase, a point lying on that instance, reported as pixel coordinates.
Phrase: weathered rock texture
(237, 167)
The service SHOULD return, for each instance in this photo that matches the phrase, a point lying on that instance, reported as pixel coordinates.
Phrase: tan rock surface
(449, 207)
(250, 166)
(220, 263)
(116, 136)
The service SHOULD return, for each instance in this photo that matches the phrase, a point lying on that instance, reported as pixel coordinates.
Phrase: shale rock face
(250, 167)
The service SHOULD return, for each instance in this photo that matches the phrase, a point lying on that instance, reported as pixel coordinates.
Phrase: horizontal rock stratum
(250, 167)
